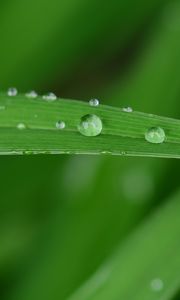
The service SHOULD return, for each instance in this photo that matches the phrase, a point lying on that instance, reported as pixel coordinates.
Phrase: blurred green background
(62, 216)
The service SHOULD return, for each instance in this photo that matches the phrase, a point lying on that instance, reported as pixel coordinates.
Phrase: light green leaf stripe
(123, 132)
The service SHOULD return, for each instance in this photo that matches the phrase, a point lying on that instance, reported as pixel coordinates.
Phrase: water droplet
(2, 107)
(60, 125)
(94, 102)
(123, 153)
(155, 135)
(106, 152)
(12, 92)
(127, 109)
(31, 94)
(21, 126)
(157, 284)
(50, 97)
(90, 125)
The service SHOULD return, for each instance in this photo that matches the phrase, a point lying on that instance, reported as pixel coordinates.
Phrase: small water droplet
(155, 135)
(12, 92)
(31, 94)
(2, 107)
(94, 102)
(60, 125)
(123, 153)
(127, 109)
(106, 152)
(35, 116)
(21, 126)
(50, 97)
(90, 125)
(157, 284)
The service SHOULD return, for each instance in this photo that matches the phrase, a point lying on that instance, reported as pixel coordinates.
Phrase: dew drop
(60, 125)
(94, 102)
(123, 153)
(31, 94)
(12, 92)
(21, 126)
(127, 109)
(157, 284)
(90, 125)
(2, 107)
(155, 135)
(106, 152)
(50, 97)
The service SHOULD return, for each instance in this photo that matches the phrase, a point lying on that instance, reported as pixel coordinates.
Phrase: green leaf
(123, 133)
(146, 266)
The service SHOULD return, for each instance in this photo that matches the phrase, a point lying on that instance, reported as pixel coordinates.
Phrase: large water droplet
(31, 94)
(157, 284)
(50, 97)
(60, 125)
(21, 126)
(155, 135)
(94, 102)
(127, 109)
(12, 92)
(90, 125)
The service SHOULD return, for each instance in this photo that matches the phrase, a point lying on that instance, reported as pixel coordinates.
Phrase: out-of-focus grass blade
(57, 35)
(147, 265)
(153, 82)
(123, 133)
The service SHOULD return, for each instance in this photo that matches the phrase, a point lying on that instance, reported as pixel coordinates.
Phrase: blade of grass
(122, 134)
(147, 265)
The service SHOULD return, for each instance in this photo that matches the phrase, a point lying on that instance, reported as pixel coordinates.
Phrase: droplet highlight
(94, 102)
(127, 109)
(50, 97)
(157, 284)
(31, 94)
(60, 125)
(21, 126)
(12, 92)
(90, 125)
(155, 135)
